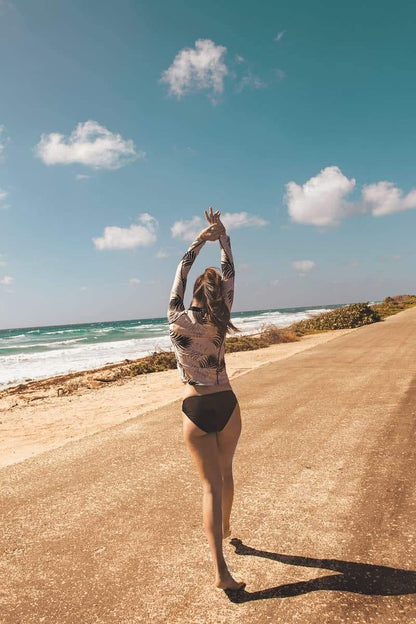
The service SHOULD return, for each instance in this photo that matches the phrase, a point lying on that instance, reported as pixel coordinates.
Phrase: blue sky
(121, 122)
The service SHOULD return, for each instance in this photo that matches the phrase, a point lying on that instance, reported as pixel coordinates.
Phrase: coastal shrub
(270, 334)
(392, 305)
(154, 363)
(407, 300)
(274, 335)
(349, 316)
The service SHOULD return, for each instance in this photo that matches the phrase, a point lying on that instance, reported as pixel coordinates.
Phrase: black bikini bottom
(210, 412)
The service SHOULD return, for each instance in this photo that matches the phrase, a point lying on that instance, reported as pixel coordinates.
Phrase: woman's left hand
(211, 217)
(211, 233)
(214, 218)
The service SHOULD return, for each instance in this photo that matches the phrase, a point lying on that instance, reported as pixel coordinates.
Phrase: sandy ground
(36, 419)
(107, 528)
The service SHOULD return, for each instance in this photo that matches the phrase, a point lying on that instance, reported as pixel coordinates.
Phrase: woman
(211, 414)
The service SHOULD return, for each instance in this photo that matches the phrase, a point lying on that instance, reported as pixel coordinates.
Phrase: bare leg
(227, 503)
(204, 449)
(227, 442)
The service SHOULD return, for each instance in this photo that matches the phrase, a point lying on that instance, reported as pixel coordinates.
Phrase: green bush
(349, 316)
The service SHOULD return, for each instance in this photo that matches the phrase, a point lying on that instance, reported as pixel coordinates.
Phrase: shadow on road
(361, 578)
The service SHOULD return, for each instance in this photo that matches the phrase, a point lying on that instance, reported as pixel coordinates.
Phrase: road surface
(108, 529)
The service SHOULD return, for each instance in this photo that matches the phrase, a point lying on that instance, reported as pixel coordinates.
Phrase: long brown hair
(208, 292)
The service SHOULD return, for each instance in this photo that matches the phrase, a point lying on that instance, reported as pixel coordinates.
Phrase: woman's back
(199, 348)
(197, 342)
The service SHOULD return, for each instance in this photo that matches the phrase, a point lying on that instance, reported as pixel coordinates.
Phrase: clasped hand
(216, 227)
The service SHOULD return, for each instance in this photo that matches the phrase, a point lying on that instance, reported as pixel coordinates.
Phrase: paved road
(108, 529)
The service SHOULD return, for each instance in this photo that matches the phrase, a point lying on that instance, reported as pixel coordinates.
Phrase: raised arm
(177, 292)
(227, 270)
(179, 283)
(227, 263)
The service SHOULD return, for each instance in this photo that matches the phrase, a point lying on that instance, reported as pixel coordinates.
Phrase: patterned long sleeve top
(197, 343)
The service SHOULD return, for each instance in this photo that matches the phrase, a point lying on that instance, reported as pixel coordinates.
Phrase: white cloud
(89, 144)
(385, 198)
(6, 280)
(84, 288)
(238, 58)
(147, 219)
(303, 266)
(115, 237)
(134, 280)
(279, 36)
(188, 230)
(250, 81)
(236, 220)
(196, 69)
(162, 254)
(322, 200)
(274, 282)
(81, 176)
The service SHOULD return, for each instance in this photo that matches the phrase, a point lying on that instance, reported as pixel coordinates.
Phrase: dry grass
(392, 305)
(158, 361)
(270, 334)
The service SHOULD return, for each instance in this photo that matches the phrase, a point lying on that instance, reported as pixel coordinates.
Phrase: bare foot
(226, 533)
(227, 582)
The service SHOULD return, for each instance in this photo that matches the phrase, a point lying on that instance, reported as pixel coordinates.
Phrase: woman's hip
(210, 412)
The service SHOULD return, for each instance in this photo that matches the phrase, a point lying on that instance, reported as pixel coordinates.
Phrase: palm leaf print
(227, 269)
(193, 355)
(217, 340)
(221, 365)
(188, 258)
(175, 303)
(179, 340)
(208, 361)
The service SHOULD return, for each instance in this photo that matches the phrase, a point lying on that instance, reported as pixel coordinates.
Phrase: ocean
(33, 353)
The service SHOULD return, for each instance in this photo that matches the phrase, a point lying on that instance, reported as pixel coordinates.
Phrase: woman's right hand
(214, 218)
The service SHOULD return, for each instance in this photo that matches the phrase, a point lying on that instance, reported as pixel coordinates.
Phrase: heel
(243, 584)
